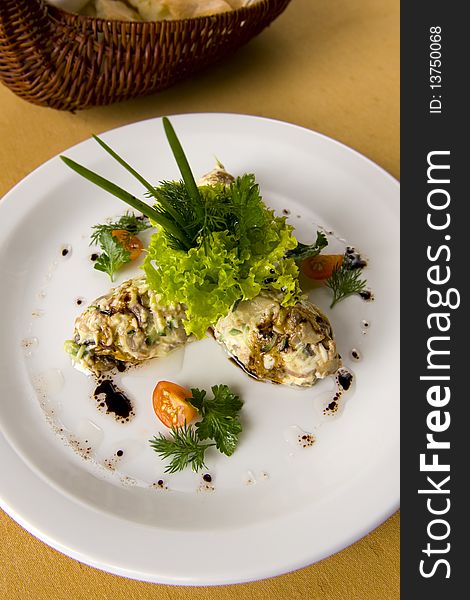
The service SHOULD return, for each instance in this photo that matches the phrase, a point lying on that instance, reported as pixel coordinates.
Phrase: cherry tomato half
(170, 404)
(321, 267)
(130, 242)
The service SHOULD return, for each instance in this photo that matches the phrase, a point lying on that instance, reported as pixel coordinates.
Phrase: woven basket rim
(70, 62)
(89, 19)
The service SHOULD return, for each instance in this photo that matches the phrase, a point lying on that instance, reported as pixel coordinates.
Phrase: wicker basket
(69, 62)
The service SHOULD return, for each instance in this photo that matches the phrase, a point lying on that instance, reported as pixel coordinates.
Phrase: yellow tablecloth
(329, 65)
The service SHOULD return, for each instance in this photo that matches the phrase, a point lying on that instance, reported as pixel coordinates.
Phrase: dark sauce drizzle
(366, 295)
(357, 262)
(344, 379)
(355, 259)
(108, 395)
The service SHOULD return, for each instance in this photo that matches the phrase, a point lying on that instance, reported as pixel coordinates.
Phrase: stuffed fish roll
(127, 326)
(289, 345)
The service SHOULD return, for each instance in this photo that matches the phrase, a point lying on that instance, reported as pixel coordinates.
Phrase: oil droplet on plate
(29, 344)
(82, 448)
(249, 478)
(50, 382)
(91, 433)
(295, 436)
(159, 485)
(355, 354)
(66, 250)
(126, 480)
(206, 485)
(128, 449)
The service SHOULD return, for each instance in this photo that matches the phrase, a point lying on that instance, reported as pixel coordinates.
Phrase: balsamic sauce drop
(345, 379)
(355, 259)
(116, 401)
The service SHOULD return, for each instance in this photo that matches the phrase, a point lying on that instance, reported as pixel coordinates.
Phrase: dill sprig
(183, 447)
(188, 215)
(345, 281)
(219, 423)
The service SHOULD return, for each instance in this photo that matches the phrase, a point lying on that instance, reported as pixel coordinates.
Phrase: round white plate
(273, 506)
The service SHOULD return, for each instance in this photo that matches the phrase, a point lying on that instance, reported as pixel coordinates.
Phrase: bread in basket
(67, 61)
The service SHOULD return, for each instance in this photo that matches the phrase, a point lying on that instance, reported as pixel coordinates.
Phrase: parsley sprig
(114, 253)
(345, 281)
(128, 222)
(219, 417)
(219, 424)
(303, 251)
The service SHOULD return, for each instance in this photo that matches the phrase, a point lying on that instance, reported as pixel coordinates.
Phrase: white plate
(276, 507)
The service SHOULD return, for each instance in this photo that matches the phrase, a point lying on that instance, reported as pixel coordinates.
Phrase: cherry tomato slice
(170, 404)
(321, 267)
(130, 242)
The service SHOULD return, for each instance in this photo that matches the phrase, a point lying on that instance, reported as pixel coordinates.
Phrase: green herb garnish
(113, 257)
(115, 254)
(345, 281)
(219, 417)
(183, 165)
(219, 423)
(303, 251)
(128, 222)
(183, 447)
(215, 245)
(126, 197)
(238, 250)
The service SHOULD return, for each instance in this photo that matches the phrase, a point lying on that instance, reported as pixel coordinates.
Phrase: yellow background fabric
(329, 65)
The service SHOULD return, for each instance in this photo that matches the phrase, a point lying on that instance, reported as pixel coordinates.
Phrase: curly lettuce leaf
(210, 278)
